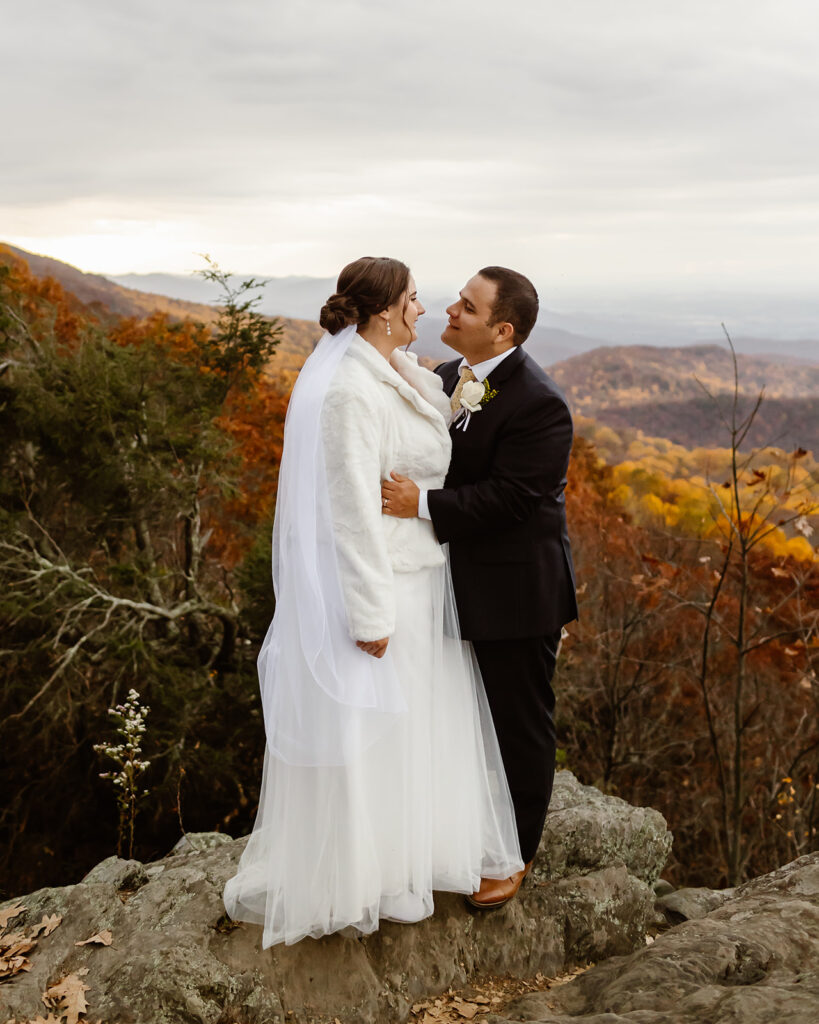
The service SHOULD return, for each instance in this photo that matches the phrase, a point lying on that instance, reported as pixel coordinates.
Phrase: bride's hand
(374, 647)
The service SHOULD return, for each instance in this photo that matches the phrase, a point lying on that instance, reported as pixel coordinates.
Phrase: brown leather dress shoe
(494, 892)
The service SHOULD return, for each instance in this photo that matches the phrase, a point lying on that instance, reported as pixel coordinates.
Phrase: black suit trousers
(517, 676)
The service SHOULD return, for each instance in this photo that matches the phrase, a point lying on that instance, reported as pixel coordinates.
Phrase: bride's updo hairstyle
(365, 287)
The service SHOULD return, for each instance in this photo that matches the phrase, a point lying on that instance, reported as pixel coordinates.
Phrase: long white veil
(324, 700)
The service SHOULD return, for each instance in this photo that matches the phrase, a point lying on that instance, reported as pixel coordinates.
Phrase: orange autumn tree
(124, 444)
(690, 682)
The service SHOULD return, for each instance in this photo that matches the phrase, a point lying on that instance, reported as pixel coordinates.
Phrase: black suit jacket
(502, 507)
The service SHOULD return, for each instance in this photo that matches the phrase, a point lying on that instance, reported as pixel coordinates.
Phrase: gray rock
(174, 959)
(586, 830)
(754, 959)
(692, 904)
(662, 887)
(122, 874)
(196, 842)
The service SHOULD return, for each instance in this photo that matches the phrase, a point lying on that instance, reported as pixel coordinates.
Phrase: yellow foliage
(802, 549)
(660, 481)
(623, 495)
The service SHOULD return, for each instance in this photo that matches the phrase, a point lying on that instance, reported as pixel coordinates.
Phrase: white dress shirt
(481, 371)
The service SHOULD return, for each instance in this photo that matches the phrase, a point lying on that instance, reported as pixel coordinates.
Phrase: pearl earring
(389, 329)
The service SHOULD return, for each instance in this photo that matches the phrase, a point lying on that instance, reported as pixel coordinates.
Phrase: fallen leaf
(14, 965)
(10, 912)
(47, 925)
(67, 997)
(17, 943)
(103, 938)
(466, 1010)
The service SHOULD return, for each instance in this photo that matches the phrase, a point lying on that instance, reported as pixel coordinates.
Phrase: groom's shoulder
(539, 381)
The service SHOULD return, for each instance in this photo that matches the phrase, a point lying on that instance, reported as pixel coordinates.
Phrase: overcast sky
(601, 147)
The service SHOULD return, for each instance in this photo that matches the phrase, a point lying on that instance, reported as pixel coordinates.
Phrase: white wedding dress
(385, 783)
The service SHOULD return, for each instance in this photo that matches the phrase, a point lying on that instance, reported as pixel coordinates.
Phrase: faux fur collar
(405, 375)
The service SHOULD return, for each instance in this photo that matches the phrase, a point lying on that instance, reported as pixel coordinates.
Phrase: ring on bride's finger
(385, 502)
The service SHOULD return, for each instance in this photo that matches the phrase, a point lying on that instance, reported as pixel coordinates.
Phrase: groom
(502, 511)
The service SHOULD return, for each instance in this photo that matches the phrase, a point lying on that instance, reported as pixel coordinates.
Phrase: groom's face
(468, 330)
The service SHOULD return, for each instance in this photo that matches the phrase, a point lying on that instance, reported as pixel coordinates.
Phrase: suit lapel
(448, 372)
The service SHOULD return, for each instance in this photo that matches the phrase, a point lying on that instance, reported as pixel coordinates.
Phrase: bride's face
(404, 314)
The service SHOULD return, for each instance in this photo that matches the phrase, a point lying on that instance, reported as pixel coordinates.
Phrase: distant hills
(304, 296)
(299, 297)
(662, 391)
(557, 336)
(756, 331)
(696, 423)
(95, 291)
(638, 374)
(653, 388)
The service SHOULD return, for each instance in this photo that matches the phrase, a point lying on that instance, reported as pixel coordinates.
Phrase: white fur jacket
(379, 416)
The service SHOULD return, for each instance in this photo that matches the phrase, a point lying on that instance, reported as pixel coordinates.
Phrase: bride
(382, 777)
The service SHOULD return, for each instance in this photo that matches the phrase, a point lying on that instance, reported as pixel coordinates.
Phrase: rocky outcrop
(173, 958)
(748, 955)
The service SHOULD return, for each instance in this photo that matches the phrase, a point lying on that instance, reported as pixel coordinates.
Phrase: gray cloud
(566, 135)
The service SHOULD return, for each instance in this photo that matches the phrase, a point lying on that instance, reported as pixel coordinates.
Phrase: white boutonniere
(474, 396)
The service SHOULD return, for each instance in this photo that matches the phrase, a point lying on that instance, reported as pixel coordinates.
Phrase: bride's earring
(389, 329)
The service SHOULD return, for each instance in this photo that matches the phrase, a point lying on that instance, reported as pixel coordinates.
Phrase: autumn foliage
(138, 471)
(689, 682)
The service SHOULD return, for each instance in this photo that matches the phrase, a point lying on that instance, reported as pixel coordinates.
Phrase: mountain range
(684, 394)
(558, 335)
(672, 391)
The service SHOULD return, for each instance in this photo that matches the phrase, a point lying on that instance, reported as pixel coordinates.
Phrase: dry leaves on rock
(490, 994)
(47, 925)
(64, 1000)
(15, 945)
(66, 997)
(50, 1019)
(103, 938)
(10, 912)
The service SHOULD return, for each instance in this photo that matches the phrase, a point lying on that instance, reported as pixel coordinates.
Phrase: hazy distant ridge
(557, 335)
(662, 391)
(651, 388)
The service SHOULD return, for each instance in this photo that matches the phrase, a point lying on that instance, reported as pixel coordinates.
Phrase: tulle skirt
(424, 807)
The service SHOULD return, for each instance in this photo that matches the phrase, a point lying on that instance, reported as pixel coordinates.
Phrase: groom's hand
(399, 497)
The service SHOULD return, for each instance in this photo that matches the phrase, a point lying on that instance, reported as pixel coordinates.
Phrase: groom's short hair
(516, 302)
